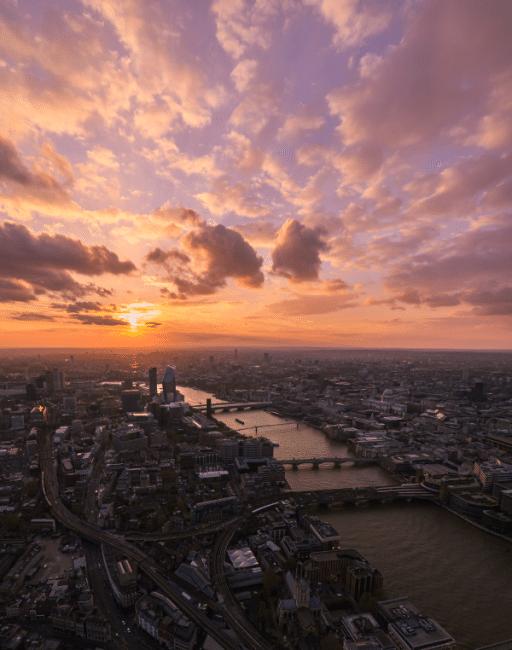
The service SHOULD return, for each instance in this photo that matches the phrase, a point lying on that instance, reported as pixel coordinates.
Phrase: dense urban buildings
(130, 516)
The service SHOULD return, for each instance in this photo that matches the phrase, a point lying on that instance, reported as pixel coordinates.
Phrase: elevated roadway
(244, 630)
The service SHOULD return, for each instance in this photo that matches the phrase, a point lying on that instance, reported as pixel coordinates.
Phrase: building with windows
(169, 385)
(230, 449)
(162, 620)
(121, 576)
(129, 437)
(153, 382)
(210, 512)
(409, 629)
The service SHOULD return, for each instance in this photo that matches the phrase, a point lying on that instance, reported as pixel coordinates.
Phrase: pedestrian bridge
(230, 406)
(316, 462)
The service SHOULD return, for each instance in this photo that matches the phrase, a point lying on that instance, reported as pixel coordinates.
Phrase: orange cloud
(296, 255)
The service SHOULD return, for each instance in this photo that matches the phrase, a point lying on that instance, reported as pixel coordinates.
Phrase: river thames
(454, 572)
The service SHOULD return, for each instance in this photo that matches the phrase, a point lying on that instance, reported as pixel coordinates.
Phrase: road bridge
(232, 406)
(316, 462)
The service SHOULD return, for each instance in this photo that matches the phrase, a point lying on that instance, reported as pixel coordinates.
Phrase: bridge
(232, 406)
(316, 462)
(364, 495)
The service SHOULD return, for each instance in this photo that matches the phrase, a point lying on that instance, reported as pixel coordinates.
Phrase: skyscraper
(153, 385)
(169, 384)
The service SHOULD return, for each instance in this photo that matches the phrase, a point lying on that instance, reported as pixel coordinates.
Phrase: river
(455, 573)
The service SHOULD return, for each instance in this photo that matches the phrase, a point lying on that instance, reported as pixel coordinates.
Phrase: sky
(256, 172)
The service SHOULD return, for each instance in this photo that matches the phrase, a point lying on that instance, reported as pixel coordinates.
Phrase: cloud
(313, 154)
(433, 86)
(44, 261)
(390, 302)
(164, 258)
(166, 221)
(260, 107)
(258, 233)
(15, 291)
(11, 166)
(298, 126)
(209, 256)
(383, 249)
(77, 306)
(67, 76)
(473, 267)
(305, 306)
(184, 217)
(31, 316)
(241, 24)
(296, 255)
(34, 185)
(166, 73)
(355, 21)
(99, 175)
(334, 285)
(88, 319)
(458, 187)
(235, 197)
(243, 73)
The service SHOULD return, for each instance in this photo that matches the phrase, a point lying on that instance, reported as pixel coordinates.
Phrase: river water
(454, 572)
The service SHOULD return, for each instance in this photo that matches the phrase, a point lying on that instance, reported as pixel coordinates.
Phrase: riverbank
(477, 525)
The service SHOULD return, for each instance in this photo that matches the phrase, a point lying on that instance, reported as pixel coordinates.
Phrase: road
(233, 613)
(51, 491)
(104, 599)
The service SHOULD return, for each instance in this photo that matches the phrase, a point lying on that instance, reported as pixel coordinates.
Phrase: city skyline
(255, 173)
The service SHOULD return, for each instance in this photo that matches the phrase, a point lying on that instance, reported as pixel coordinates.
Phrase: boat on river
(239, 421)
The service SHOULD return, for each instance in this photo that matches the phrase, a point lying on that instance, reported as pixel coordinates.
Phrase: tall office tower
(236, 353)
(49, 381)
(130, 401)
(169, 384)
(211, 361)
(266, 358)
(153, 385)
(56, 379)
(31, 392)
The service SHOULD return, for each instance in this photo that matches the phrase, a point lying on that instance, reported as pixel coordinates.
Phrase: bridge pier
(315, 465)
(295, 466)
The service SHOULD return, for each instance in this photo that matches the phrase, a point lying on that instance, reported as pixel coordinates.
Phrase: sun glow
(139, 315)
